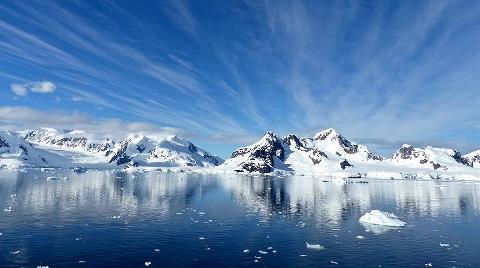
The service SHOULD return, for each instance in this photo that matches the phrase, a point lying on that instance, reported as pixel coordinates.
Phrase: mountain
(83, 150)
(429, 157)
(327, 151)
(473, 158)
(16, 152)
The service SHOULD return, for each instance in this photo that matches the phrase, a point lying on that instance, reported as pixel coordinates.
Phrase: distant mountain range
(326, 153)
(73, 148)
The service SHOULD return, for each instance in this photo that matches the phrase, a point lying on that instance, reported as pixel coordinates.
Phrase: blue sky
(221, 73)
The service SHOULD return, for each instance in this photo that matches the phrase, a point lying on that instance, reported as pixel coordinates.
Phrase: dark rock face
(292, 140)
(344, 164)
(458, 157)
(192, 148)
(316, 156)
(261, 157)
(405, 152)
(120, 156)
(3, 143)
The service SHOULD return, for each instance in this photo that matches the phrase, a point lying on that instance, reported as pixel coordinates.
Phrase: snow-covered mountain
(79, 149)
(16, 152)
(429, 157)
(329, 153)
(473, 158)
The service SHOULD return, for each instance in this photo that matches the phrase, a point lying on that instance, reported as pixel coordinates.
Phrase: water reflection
(327, 202)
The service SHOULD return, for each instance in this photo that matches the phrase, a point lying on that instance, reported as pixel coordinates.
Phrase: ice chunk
(333, 262)
(81, 261)
(246, 250)
(54, 178)
(201, 238)
(148, 263)
(378, 217)
(428, 264)
(157, 250)
(314, 246)
(444, 245)
(15, 252)
(42, 266)
(359, 237)
(262, 252)
(9, 209)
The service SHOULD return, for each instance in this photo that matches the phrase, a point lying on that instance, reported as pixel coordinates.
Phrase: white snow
(378, 217)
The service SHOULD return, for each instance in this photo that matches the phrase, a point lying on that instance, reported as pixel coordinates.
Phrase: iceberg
(314, 246)
(378, 217)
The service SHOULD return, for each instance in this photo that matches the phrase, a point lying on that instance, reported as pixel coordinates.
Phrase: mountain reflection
(162, 193)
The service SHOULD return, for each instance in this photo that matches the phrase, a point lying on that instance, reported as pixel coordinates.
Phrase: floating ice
(428, 264)
(333, 262)
(115, 217)
(246, 250)
(201, 238)
(262, 252)
(378, 217)
(314, 246)
(81, 261)
(258, 257)
(444, 245)
(303, 255)
(148, 263)
(269, 248)
(9, 209)
(15, 252)
(40, 266)
(54, 178)
(255, 260)
(359, 237)
(274, 251)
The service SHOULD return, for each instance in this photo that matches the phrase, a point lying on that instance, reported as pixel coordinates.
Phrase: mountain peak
(324, 134)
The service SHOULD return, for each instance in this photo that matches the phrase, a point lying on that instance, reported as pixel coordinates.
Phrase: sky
(222, 73)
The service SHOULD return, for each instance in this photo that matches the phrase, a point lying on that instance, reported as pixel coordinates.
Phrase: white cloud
(20, 118)
(37, 87)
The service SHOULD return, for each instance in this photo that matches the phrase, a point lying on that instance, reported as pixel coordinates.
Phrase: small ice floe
(9, 209)
(267, 236)
(201, 238)
(444, 245)
(274, 251)
(157, 250)
(14, 252)
(378, 217)
(1, 234)
(262, 252)
(82, 261)
(148, 263)
(428, 264)
(207, 248)
(115, 217)
(201, 213)
(333, 262)
(303, 255)
(78, 238)
(42, 266)
(54, 178)
(255, 260)
(246, 250)
(359, 237)
(269, 248)
(314, 246)
(257, 257)
(179, 213)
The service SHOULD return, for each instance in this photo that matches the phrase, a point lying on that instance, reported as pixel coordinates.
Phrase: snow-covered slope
(82, 150)
(429, 158)
(330, 154)
(16, 152)
(473, 158)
